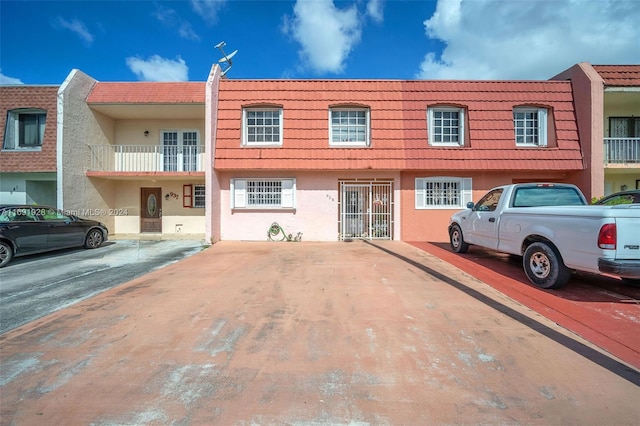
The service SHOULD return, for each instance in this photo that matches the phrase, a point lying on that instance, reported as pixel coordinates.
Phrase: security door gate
(366, 209)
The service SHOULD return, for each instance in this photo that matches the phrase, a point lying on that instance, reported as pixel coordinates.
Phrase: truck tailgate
(628, 231)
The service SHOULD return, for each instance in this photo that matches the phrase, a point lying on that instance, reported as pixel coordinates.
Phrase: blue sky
(145, 40)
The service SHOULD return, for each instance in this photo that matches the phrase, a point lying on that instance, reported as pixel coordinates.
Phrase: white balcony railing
(622, 150)
(147, 158)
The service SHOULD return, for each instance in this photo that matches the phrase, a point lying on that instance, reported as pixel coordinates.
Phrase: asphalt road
(34, 286)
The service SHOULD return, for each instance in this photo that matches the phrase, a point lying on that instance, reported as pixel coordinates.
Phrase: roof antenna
(226, 60)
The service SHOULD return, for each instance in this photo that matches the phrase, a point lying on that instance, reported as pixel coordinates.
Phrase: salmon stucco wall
(316, 214)
(431, 224)
(588, 92)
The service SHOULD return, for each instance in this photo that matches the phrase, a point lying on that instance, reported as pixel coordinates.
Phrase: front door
(150, 209)
(366, 209)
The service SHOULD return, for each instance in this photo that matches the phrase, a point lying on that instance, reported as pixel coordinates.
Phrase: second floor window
(530, 125)
(24, 129)
(446, 126)
(624, 127)
(349, 126)
(181, 150)
(262, 126)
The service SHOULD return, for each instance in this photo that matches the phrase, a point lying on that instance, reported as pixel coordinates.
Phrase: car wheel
(456, 240)
(544, 267)
(94, 239)
(6, 253)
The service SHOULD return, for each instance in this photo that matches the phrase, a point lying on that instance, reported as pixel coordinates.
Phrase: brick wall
(24, 96)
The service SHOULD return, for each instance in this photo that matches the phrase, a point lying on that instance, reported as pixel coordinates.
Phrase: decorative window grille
(442, 192)
(263, 193)
(193, 196)
(198, 196)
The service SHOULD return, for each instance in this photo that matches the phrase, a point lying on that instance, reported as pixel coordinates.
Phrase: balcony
(622, 151)
(146, 158)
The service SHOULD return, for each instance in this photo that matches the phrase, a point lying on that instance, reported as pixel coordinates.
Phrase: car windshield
(546, 196)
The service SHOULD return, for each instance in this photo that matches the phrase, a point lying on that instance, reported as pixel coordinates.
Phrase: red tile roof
(619, 75)
(399, 136)
(147, 93)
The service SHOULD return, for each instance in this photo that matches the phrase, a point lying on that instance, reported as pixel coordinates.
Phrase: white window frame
(540, 135)
(241, 196)
(423, 192)
(181, 159)
(12, 129)
(349, 127)
(433, 128)
(245, 126)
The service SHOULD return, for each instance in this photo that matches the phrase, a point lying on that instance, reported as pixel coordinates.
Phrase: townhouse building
(621, 126)
(132, 155)
(28, 115)
(333, 159)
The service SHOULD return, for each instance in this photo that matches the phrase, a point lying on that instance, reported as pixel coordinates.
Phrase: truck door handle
(492, 219)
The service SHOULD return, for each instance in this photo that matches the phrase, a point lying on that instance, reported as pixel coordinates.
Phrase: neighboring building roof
(619, 75)
(147, 93)
(399, 136)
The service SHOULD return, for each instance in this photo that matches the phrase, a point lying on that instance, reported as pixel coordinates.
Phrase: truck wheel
(6, 253)
(456, 240)
(544, 267)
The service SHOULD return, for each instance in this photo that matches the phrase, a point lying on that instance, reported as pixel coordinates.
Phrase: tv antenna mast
(226, 60)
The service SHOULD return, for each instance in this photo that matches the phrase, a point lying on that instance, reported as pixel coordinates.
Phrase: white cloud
(157, 68)
(208, 9)
(75, 26)
(170, 19)
(326, 34)
(374, 10)
(529, 39)
(5, 79)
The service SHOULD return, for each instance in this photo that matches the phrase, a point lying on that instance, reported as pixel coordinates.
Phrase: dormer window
(349, 127)
(262, 126)
(530, 125)
(446, 126)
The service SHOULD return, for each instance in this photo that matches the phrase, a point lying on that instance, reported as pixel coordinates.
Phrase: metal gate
(366, 210)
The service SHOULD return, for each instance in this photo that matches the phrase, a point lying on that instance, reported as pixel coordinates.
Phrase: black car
(28, 229)
(623, 197)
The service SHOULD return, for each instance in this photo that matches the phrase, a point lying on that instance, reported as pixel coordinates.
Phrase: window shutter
(288, 188)
(187, 195)
(542, 127)
(239, 193)
(467, 194)
(420, 193)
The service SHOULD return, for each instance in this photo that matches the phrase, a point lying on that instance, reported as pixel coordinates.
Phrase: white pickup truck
(555, 231)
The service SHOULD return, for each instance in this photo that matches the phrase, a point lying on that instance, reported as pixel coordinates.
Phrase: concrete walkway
(308, 333)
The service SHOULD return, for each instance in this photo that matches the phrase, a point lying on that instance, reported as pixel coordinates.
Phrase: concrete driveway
(36, 285)
(308, 333)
